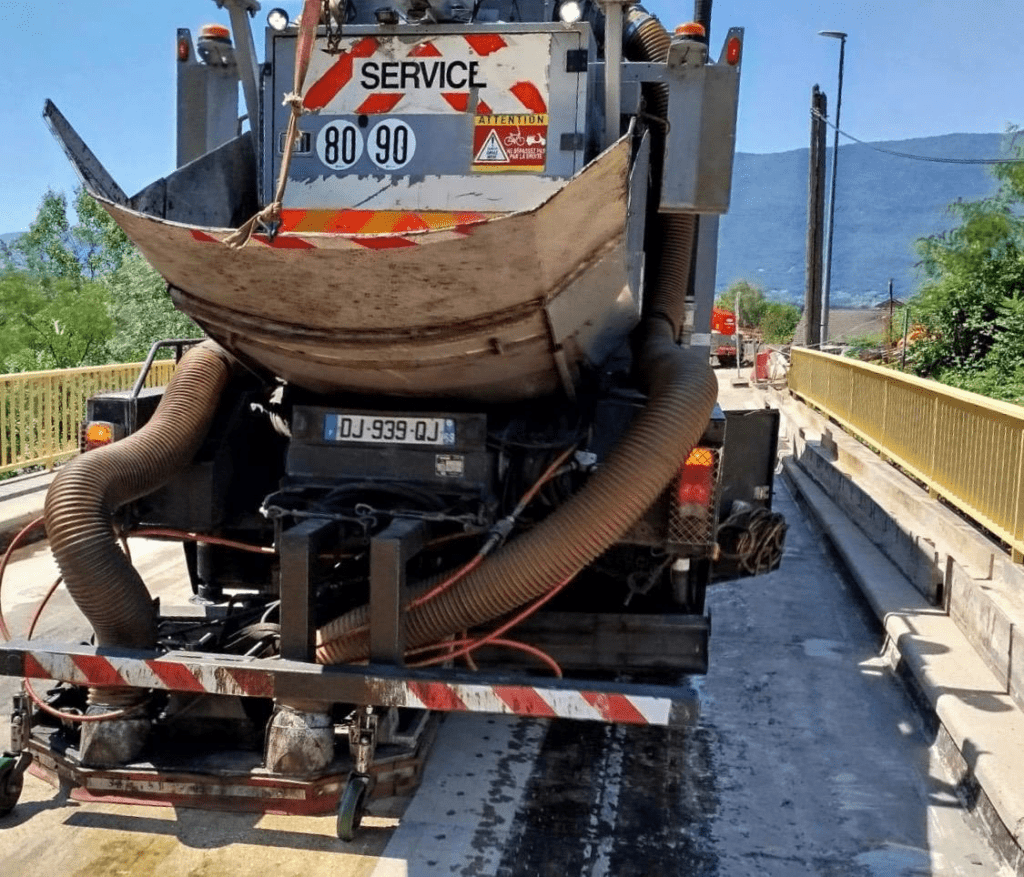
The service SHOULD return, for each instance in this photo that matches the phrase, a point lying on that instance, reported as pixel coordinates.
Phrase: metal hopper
(491, 308)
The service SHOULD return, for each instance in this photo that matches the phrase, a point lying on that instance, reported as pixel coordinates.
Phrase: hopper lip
(111, 205)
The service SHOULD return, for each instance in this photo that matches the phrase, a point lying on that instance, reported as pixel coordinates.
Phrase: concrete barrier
(949, 599)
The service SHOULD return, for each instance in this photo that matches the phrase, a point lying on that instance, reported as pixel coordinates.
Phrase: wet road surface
(808, 759)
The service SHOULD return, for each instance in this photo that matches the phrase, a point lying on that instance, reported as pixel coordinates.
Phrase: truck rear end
(452, 442)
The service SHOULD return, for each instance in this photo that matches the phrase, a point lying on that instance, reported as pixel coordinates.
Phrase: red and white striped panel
(218, 676)
(538, 701)
(373, 75)
(334, 241)
(110, 672)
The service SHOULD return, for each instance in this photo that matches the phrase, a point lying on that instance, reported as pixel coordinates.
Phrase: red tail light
(733, 50)
(696, 484)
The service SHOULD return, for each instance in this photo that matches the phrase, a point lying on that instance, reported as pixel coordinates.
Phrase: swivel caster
(12, 779)
(352, 806)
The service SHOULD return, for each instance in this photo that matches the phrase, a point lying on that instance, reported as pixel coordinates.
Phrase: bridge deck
(809, 759)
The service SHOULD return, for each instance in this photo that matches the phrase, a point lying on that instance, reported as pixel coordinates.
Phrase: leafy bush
(779, 322)
(752, 303)
(775, 320)
(971, 305)
(80, 293)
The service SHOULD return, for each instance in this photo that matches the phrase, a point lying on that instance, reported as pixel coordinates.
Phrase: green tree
(48, 248)
(75, 291)
(971, 303)
(752, 302)
(778, 322)
(54, 247)
(60, 324)
(102, 244)
(142, 310)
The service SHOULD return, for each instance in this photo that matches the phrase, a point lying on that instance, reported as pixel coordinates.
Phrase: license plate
(377, 429)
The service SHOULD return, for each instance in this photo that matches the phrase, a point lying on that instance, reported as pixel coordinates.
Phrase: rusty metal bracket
(362, 739)
(21, 723)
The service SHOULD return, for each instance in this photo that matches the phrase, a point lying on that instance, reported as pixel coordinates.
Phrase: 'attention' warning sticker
(510, 143)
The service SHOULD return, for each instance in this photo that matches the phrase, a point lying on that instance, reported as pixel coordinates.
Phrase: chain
(333, 28)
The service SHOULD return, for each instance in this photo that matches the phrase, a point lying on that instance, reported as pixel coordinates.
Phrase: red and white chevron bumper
(439, 690)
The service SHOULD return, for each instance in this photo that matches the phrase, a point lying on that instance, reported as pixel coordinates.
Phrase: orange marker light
(184, 49)
(218, 32)
(97, 434)
(733, 49)
(691, 29)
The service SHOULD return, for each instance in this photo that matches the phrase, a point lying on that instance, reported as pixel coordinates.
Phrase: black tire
(11, 784)
(352, 806)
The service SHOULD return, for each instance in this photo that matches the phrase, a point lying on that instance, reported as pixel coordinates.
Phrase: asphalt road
(808, 760)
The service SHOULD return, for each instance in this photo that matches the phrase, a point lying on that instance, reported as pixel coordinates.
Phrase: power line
(919, 157)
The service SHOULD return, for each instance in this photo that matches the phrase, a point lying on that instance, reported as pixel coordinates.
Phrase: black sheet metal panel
(298, 547)
(390, 552)
(115, 406)
(593, 642)
(748, 461)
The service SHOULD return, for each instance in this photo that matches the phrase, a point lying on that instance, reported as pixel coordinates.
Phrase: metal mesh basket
(693, 524)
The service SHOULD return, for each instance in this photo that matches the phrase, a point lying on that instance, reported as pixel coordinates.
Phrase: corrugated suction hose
(86, 493)
(682, 390)
(672, 233)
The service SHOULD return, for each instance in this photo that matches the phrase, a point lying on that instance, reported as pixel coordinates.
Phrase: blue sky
(913, 68)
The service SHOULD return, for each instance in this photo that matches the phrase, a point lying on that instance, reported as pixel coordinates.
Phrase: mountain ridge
(884, 203)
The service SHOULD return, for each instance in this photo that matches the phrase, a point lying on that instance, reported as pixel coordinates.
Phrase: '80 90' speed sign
(398, 103)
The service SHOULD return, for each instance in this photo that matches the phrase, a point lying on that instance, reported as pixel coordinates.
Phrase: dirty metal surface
(375, 684)
(455, 311)
(808, 760)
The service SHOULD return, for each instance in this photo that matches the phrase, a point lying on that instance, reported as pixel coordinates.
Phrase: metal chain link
(333, 29)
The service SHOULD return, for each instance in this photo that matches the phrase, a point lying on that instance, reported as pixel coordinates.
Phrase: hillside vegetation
(74, 291)
(970, 309)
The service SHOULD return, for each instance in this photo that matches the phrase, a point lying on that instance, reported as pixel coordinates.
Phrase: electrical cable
(503, 643)
(493, 636)
(817, 115)
(186, 536)
(43, 705)
(753, 537)
(15, 542)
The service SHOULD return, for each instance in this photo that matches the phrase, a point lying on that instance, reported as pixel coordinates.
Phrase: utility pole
(888, 331)
(739, 339)
(815, 219)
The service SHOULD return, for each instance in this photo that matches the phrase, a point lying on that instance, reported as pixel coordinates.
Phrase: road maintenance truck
(451, 442)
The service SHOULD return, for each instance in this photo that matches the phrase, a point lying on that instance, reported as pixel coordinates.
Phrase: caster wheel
(352, 806)
(11, 783)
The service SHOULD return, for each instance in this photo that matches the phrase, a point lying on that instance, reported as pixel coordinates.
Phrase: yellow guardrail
(40, 412)
(966, 448)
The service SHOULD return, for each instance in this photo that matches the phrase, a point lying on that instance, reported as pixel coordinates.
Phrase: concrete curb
(21, 502)
(976, 714)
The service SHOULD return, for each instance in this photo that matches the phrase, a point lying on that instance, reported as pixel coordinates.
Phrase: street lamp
(836, 35)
